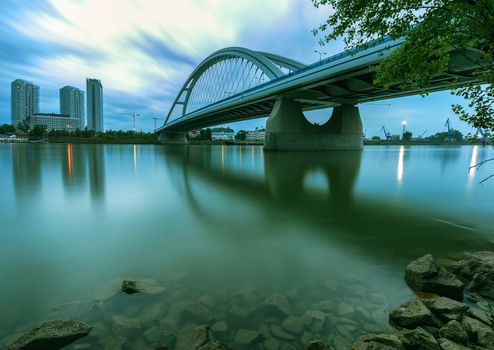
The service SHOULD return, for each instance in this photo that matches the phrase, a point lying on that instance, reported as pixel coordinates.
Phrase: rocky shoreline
(453, 311)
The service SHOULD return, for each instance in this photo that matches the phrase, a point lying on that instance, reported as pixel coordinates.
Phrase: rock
(426, 275)
(129, 287)
(483, 282)
(481, 316)
(219, 327)
(314, 320)
(213, 345)
(293, 324)
(113, 342)
(52, 335)
(345, 309)
(454, 331)
(277, 304)
(265, 331)
(326, 305)
(279, 333)
(197, 312)
(467, 267)
(153, 335)
(151, 313)
(246, 336)
(447, 344)
(124, 325)
(271, 344)
(344, 332)
(318, 345)
(446, 308)
(479, 332)
(192, 337)
(341, 343)
(418, 338)
(379, 342)
(238, 311)
(411, 315)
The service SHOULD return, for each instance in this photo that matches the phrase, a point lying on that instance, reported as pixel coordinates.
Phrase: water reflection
(26, 170)
(370, 225)
(96, 165)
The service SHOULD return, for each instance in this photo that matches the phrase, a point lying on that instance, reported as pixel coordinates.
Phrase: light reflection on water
(75, 217)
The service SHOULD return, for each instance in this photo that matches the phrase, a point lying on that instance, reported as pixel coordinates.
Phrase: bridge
(235, 84)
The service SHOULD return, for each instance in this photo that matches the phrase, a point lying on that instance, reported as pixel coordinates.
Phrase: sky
(143, 51)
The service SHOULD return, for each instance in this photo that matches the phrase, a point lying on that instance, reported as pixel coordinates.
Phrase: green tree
(5, 128)
(38, 132)
(241, 135)
(431, 28)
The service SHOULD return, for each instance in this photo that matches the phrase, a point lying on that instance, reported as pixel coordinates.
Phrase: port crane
(387, 134)
(422, 135)
(483, 133)
(450, 130)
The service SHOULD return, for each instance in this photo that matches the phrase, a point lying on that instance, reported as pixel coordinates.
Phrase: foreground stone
(477, 271)
(379, 342)
(52, 335)
(197, 338)
(425, 274)
(318, 345)
(411, 315)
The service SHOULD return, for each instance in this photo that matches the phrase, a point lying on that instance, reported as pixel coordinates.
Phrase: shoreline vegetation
(452, 310)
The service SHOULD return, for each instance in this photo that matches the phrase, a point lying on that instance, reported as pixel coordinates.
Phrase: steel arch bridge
(236, 83)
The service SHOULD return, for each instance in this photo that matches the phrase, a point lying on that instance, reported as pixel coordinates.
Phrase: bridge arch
(236, 69)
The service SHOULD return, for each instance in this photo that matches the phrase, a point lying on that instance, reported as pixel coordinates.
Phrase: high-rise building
(72, 103)
(24, 100)
(94, 99)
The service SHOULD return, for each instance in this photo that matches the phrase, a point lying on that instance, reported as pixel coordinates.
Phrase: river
(228, 228)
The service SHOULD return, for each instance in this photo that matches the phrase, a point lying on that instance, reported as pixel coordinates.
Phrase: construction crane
(450, 130)
(134, 116)
(387, 134)
(155, 119)
(483, 133)
(422, 135)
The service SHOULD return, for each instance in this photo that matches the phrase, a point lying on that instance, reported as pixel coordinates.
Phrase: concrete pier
(287, 129)
(172, 138)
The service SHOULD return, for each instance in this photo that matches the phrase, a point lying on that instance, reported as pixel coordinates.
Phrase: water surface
(228, 227)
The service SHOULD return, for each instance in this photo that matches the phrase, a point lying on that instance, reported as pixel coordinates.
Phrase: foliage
(407, 136)
(109, 136)
(442, 137)
(23, 126)
(432, 28)
(38, 132)
(6, 128)
(241, 135)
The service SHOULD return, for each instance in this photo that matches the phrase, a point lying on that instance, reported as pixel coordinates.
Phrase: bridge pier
(287, 129)
(172, 138)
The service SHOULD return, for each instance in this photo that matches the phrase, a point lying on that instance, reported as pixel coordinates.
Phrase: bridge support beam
(172, 138)
(287, 129)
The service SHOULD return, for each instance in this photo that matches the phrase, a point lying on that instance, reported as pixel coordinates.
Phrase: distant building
(53, 121)
(24, 100)
(255, 135)
(224, 134)
(72, 103)
(94, 99)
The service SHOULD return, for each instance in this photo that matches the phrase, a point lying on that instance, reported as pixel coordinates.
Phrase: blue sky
(143, 50)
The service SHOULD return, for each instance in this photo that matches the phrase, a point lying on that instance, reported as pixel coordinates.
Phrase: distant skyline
(143, 52)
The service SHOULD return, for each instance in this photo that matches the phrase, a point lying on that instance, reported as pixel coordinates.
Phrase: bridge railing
(323, 62)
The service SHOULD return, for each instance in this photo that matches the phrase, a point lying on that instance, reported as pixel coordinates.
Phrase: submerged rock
(425, 274)
(318, 345)
(277, 304)
(52, 335)
(379, 342)
(246, 337)
(197, 337)
(129, 287)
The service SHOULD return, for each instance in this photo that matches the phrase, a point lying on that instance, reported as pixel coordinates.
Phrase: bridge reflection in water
(318, 190)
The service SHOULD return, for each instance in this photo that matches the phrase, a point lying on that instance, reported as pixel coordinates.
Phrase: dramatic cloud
(143, 51)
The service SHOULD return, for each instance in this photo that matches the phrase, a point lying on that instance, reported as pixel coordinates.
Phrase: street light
(320, 54)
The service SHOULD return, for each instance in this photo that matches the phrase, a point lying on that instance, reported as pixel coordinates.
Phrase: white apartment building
(72, 103)
(24, 100)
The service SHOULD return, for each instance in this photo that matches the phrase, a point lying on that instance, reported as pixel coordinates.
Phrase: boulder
(279, 333)
(418, 338)
(192, 337)
(314, 320)
(467, 267)
(379, 342)
(52, 335)
(129, 287)
(277, 305)
(446, 308)
(318, 345)
(197, 312)
(246, 337)
(454, 331)
(293, 324)
(271, 344)
(479, 332)
(447, 344)
(141, 285)
(481, 316)
(483, 282)
(411, 315)
(425, 274)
